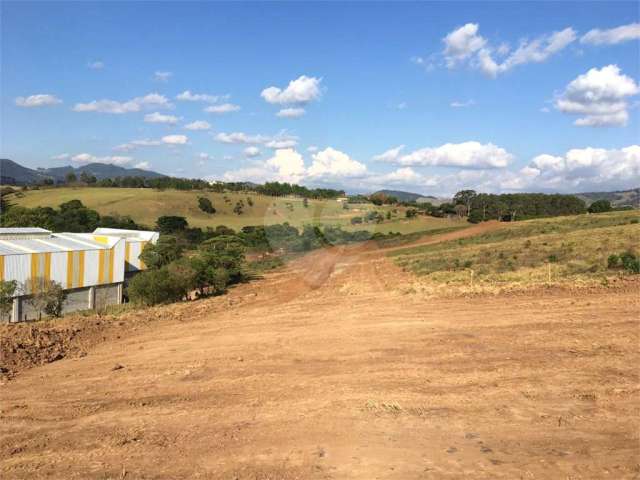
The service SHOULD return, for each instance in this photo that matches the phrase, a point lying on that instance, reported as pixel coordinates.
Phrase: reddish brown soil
(327, 370)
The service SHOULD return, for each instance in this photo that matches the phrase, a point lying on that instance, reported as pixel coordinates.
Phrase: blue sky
(429, 97)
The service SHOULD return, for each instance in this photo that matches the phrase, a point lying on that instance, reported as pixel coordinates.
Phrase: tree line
(275, 189)
(71, 216)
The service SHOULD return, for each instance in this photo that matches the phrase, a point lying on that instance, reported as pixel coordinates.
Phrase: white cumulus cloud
(222, 108)
(175, 139)
(612, 36)
(134, 144)
(462, 43)
(152, 100)
(286, 165)
(188, 96)
(62, 156)
(162, 76)
(299, 91)
(291, 112)
(198, 125)
(251, 152)
(474, 155)
(38, 100)
(143, 165)
(281, 142)
(334, 163)
(459, 104)
(581, 169)
(390, 155)
(157, 117)
(599, 97)
(240, 138)
(465, 46)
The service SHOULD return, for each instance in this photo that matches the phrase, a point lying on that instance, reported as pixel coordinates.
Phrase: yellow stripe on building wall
(111, 256)
(100, 266)
(142, 265)
(127, 256)
(47, 266)
(70, 269)
(1, 268)
(101, 239)
(81, 269)
(34, 271)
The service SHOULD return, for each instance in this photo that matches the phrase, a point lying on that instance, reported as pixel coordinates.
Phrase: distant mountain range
(413, 197)
(620, 198)
(12, 173)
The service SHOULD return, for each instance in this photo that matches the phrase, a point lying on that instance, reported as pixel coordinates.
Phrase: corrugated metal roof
(57, 242)
(128, 234)
(19, 230)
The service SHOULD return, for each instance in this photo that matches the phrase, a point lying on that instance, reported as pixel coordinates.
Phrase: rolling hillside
(410, 196)
(145, 205)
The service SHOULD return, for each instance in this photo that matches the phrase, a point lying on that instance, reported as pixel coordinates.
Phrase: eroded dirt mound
(23, 346)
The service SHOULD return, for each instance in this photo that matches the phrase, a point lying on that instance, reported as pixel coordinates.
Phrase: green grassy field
(146, 205)
(563, 248)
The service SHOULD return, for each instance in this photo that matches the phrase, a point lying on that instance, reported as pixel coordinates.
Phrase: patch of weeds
(627, 261)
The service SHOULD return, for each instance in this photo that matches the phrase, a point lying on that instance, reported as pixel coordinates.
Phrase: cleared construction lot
(331, 369)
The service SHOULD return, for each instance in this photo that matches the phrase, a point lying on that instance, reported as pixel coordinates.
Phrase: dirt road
(327, 370)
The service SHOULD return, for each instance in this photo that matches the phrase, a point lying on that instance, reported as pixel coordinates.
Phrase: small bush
(630, 262)
(613, 261)
(627, 261)
(205, 205)
(153, 287)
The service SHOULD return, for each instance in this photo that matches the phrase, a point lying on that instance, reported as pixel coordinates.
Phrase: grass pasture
(145, 205)
(562, 248)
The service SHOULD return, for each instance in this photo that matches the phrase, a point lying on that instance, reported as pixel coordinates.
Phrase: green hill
(145, 205)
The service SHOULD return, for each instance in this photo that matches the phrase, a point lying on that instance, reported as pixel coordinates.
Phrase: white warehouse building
(135, 241)
(89, 267)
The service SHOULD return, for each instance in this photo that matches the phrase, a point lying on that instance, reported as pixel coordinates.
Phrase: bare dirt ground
(327, 370)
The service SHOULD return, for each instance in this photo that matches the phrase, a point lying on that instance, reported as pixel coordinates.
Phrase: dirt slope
(326, 370)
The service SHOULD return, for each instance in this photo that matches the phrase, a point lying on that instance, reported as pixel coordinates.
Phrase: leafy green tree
(225, 251)
(75, 217)
(70, 177)
(465, 197)
(163, 252)
(153, 287)
(46, 296)
(88, 178)
(411, 212)
(169, 224)
(600, 206)
(7, 292)
(183, 274)
(205, 205)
